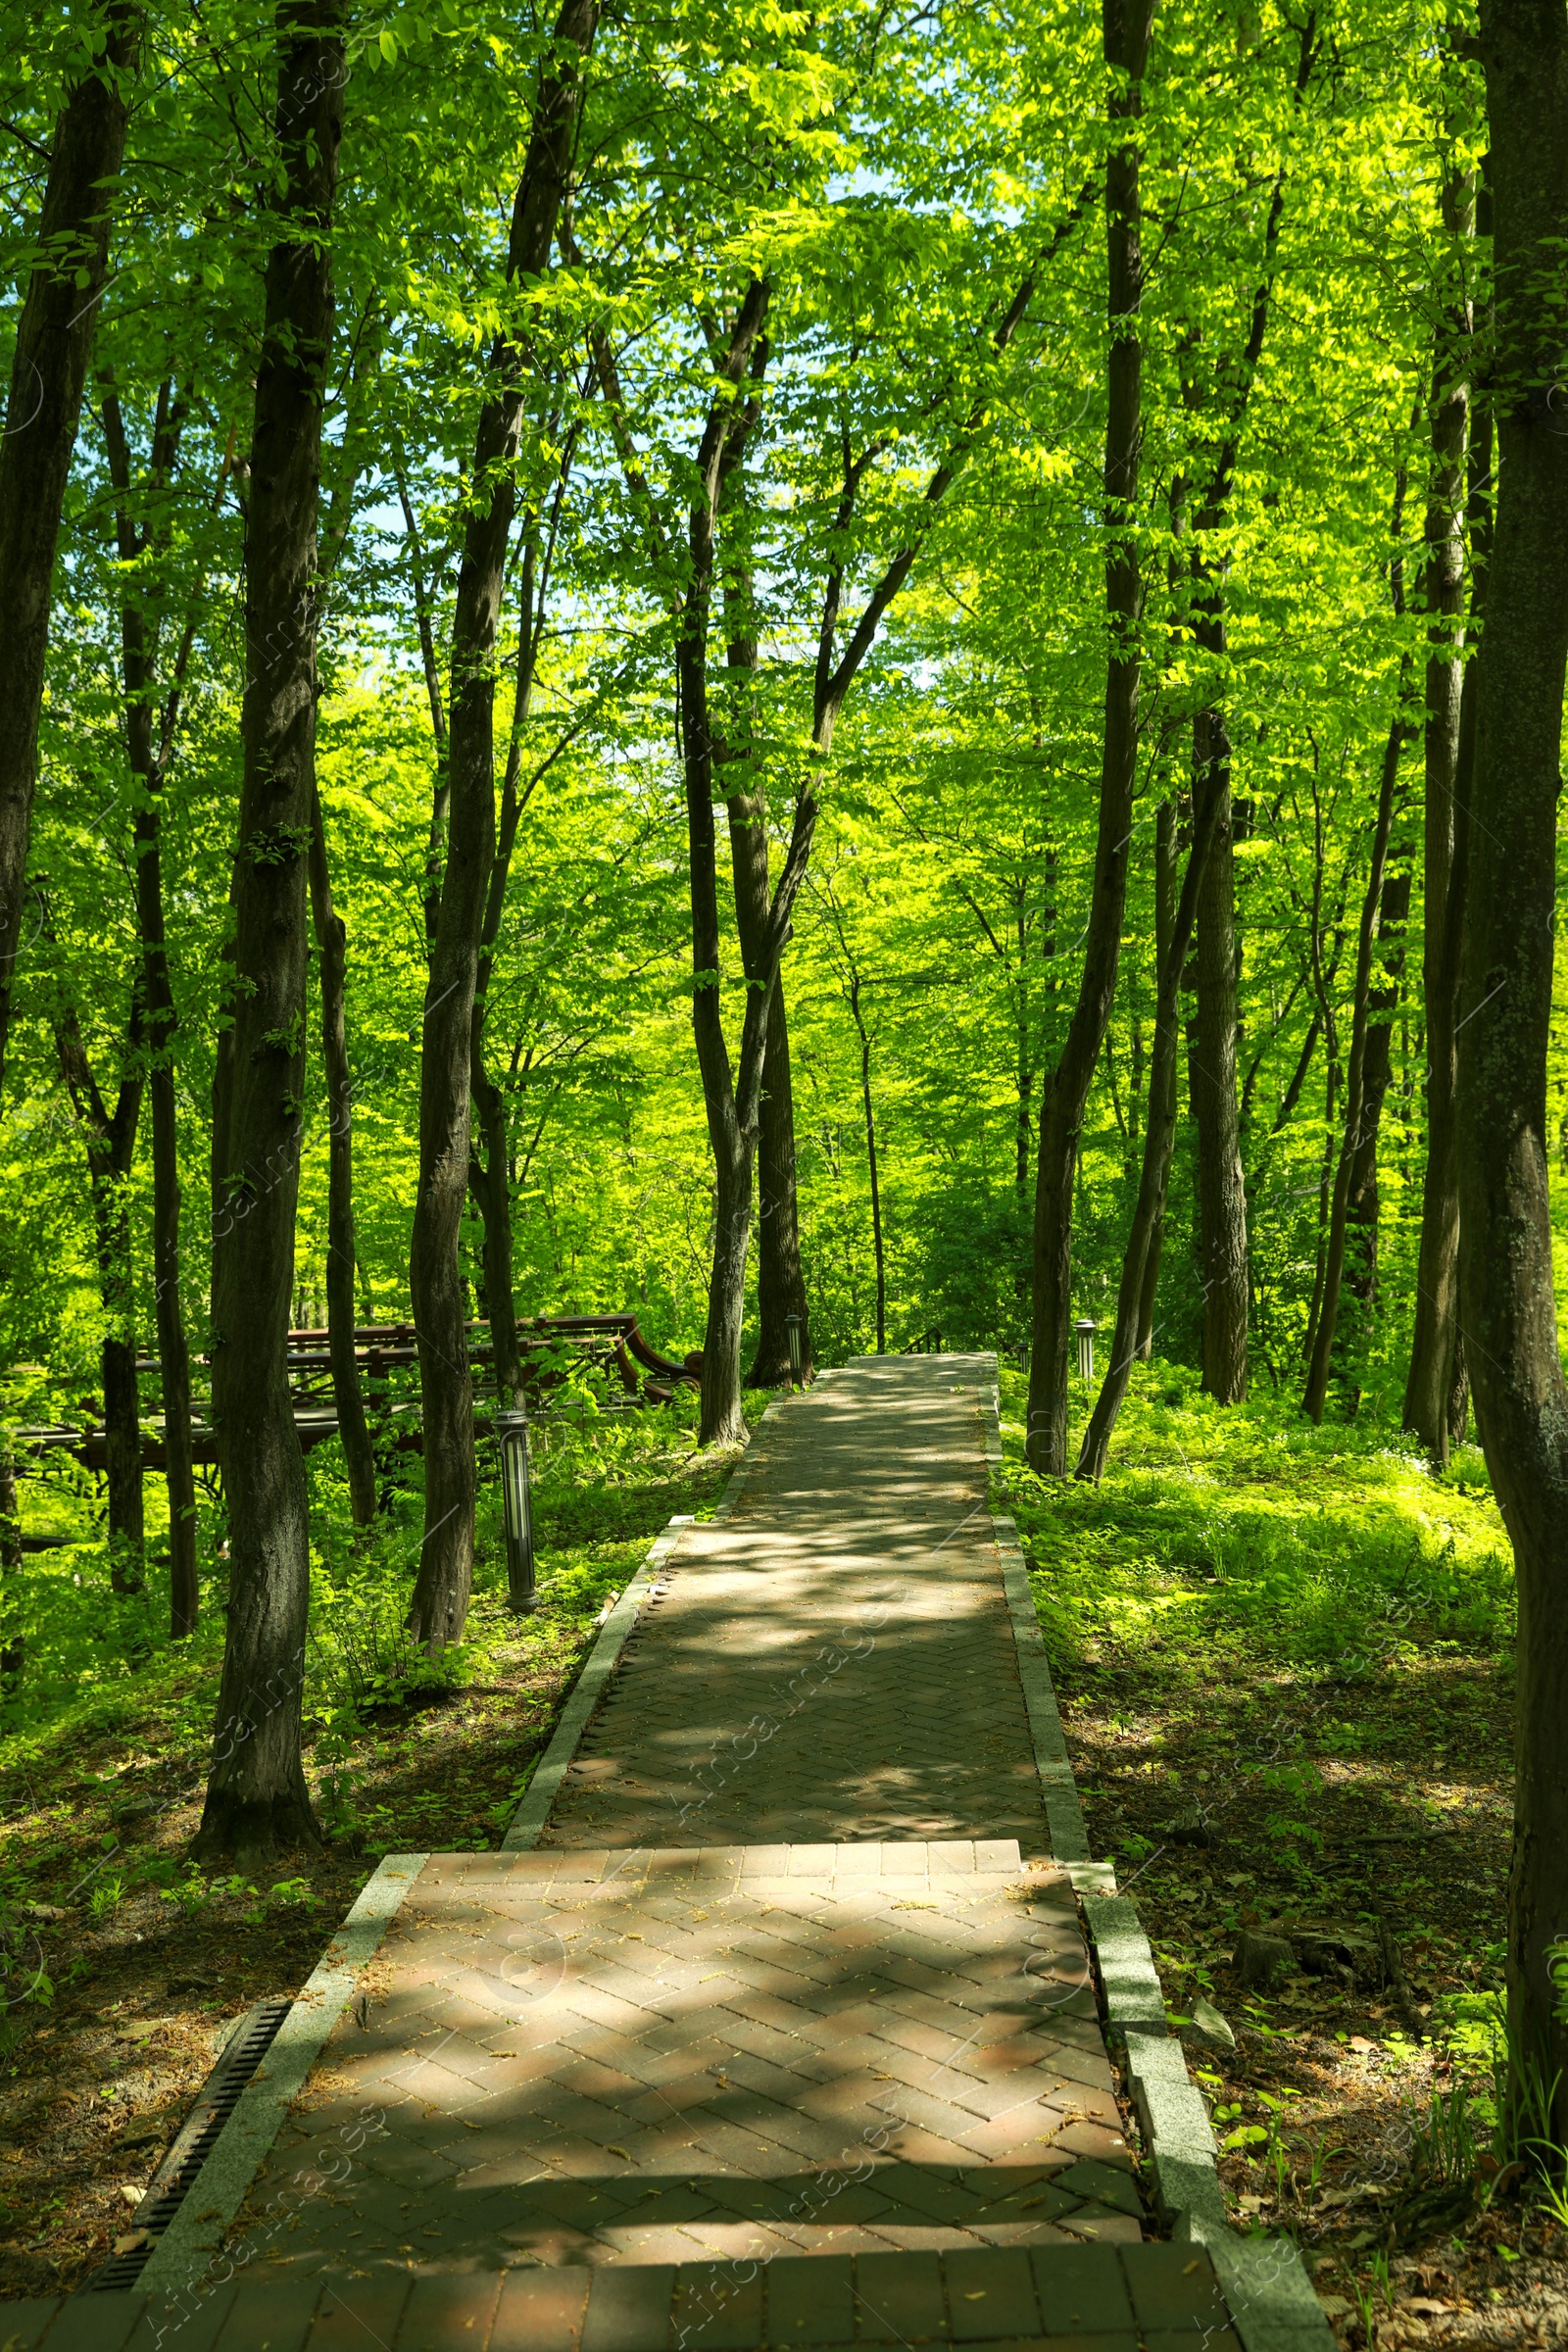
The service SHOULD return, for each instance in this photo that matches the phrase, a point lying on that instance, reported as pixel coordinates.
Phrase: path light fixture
(1085, 1328)
(792, 1324)
(512, 1435)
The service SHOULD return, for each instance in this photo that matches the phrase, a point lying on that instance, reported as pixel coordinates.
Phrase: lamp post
(1085, 1328)
(792, 1324)
(512, 1435)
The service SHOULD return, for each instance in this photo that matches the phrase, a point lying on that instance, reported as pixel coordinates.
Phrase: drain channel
(193, 2143)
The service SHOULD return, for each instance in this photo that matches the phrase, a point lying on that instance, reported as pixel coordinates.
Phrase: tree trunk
(1317, 1377)
(1221, 1184)
(331, 940)
(140, 628)
(13, 1638)
(1128, 26)
(257, 1800)
(870, 1161)
(1436, 1350)
(1135, 1297)
(1165, 906)
(110, 1140)
(1505, 1239)
(440, 1602)
(780, 1277)
(780, 1274)
(48, 372)
(1361, 1207)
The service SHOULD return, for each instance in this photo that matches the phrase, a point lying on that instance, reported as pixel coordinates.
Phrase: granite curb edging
(219, 2188)
(1272, 2303)
(527, 1825)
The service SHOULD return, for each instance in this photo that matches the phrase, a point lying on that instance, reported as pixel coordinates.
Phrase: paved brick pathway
(836, 1661)
(792, 1974)
(662, 2057)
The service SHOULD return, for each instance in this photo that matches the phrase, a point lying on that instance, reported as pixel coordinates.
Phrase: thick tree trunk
(140, 630)
(48, 372)
(1505, 1238)
(331, 940)
(440, 1603)
(256, 1799)
(1135, 1297)
(1436, 1351)
(1221, 1184)
(1322, 1351)
(1128, 26)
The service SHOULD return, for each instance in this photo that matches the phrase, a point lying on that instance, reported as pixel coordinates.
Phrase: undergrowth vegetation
(1284, 1657)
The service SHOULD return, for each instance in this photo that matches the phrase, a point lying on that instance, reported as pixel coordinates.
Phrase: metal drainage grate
(193, 2143)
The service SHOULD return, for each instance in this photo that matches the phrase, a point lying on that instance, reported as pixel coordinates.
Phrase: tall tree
(1327, 1319)
(1505, 1236)
(48, 373)
(332, 943)
(445, 1579)
(1461, 468)
(1135, 1297)
(148, 749)
(1128, 28)
(256, 1799)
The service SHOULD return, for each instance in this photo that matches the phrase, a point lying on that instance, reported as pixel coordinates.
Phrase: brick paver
(663, 2057)
(791, 1975)
(836, 1661)
(1089, 2298)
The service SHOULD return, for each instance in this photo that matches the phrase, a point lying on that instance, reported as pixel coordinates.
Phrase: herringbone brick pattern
(666, 2057)
(792, 1974)
(835, 1662)
(1055, 2299)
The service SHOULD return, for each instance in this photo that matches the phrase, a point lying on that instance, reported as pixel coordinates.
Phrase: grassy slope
(1305, 1637)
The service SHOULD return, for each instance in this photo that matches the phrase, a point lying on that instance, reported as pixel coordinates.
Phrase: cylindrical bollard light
(512, 1435)
(1085, 1328)
(792, 1324)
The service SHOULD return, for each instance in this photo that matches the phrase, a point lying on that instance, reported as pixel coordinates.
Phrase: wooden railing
(612, 1344)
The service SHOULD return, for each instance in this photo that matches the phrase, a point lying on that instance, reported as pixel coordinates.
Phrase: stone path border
(218, 2190)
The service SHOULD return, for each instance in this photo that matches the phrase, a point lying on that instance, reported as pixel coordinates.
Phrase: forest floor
(1284, 1662)
(124, 1966)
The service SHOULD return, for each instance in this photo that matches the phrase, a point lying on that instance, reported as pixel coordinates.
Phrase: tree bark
(1436, 1352)
(1160, 1107)
(110, 1141)
(13, 1637)
(48, 373)
(1128, 27)
(1362, 1205)
(140, 630)
(1221, 1184)
(256, 1799)
(780, 1272)
(1322, 1351)
(331, 940)
(440, 1602)
(1505, 1240)
(1135, 1297)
